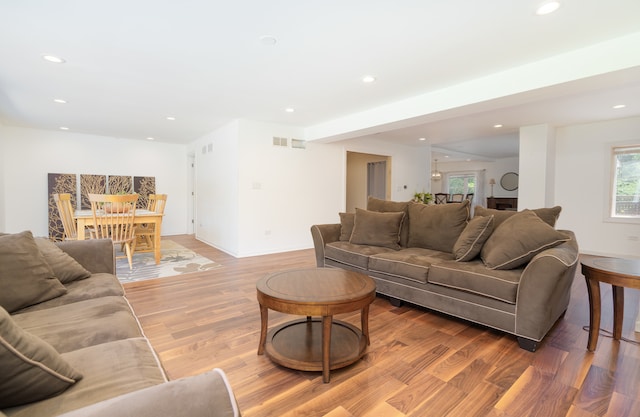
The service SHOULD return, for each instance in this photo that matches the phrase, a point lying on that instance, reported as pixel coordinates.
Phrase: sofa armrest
(323, 234)
(95, 255)
(205, 395)
(545, 289)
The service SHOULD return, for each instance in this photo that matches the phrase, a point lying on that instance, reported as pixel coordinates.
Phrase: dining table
(84, 219)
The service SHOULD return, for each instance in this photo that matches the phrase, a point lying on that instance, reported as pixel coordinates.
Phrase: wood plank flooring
(420, 363)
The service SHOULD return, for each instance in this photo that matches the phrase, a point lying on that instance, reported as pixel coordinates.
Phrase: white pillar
(537, 167)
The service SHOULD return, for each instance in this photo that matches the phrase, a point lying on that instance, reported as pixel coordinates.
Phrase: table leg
(618, 311)
(264, 318)
(364, 323)
(80, 225)
(326, 347)
(593, 289)
(156, 240)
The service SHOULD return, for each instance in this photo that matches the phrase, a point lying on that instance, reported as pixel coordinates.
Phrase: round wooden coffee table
(315, 344)
(619, 273)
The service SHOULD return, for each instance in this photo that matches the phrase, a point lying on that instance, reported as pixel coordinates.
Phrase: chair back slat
(114, 216)
(65, 211)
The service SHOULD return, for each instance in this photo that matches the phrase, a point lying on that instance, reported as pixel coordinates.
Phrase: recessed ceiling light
(268, 40)
(289, 109)
(446, 156)
(64, 128)
(54, 59)
(547, 7)
(422, 139)
(368, 79)
(150, 138)
(619, 106)
(498, 126)
(60, 101)
(171, 118)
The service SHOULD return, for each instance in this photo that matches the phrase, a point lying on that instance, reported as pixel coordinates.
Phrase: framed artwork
(119, 184)
(144, 186)
(91, 184)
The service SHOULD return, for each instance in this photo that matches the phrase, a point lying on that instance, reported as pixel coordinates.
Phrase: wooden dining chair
(441, 198)
(145, 233)
(65, 211)
(456, 198)
(469, 197)
(113, 218)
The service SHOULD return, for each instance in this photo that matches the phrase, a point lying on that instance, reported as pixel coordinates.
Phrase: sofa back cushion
(346, 225)
(25, 276)
(377, 229)
(518, 239)
(548, 214)
(384, 206)
(437, 226)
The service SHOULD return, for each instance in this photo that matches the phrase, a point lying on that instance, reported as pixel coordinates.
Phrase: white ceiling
(130, 64)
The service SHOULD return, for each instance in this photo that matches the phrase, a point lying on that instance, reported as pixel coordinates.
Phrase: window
(461, 183)
(625, 196)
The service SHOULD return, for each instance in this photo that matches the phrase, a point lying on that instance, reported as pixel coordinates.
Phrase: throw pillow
(470, 242)
(346, 225)
(437, 226)
(30, 368)
(25, 276)
(548, 214)
(377, 229)
(386, 206)
(518, 239)
(64, 267)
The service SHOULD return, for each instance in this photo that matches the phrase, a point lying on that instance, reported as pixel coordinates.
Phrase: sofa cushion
(346, 225)
(84, 323)
(377, 229)
(437, 226)
(352, 255)
(518, 239)
(64, 267)
(109, 369)
(472, 238)
(25, 276)
(409, 263)
(475, 278)
(548, 214)
(30, 368)
(384, 206)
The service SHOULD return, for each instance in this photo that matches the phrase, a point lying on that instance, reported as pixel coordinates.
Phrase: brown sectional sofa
(71, 345)
(511, 271)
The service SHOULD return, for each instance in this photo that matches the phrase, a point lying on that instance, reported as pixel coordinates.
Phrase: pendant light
(435, 174)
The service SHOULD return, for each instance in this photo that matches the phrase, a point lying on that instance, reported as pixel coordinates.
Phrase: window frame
(611, 177)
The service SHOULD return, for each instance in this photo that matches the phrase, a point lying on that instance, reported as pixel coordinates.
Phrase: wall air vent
(277, 141)
(298, 144)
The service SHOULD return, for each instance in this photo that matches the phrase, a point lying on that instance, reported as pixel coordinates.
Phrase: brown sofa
(71, 345)
(508, 270)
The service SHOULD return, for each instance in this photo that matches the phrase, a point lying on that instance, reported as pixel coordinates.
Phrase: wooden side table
(315, 344)
(619, 273)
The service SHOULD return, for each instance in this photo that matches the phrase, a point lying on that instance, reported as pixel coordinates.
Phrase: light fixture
(497, 126)
(368, 79)
(60, 101)
(54, 59)
(547, 7)
(492, 182)
(268, 40)
(150, 138)
(435, 174)
(619, 106)
(289, 109)
(64, 128)
(171, 118)
(422, 139)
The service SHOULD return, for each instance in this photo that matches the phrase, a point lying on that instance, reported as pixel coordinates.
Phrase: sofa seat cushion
(85, 323)
(410, 263)
(351, 254)
(476, 278)
(96, 286)
(109, 370)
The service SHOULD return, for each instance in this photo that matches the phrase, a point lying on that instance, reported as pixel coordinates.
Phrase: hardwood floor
(419, 363)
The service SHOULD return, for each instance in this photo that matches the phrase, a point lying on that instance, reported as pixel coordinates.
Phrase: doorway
(359, 187)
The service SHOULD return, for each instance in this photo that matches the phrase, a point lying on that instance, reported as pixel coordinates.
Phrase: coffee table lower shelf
(298, 344)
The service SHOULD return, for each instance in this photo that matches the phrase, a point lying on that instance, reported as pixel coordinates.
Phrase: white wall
(28, 155)
(582, 184)
(255, 198)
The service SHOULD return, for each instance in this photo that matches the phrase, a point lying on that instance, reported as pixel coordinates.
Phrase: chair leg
(128, 249)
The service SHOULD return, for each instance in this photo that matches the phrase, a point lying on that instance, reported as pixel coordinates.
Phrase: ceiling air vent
(298, 144)
(277, 141)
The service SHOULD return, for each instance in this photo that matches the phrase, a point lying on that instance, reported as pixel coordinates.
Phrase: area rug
(175, 260)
